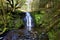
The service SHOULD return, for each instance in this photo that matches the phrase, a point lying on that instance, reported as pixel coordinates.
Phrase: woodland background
(46, 14)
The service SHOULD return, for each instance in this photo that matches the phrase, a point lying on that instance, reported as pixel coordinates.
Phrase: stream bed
(20, 35)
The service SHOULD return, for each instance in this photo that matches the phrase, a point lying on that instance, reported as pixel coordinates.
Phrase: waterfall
(28, 21)
(28, 16)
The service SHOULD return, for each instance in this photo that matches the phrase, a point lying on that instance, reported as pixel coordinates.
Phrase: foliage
(50, 16)
(8, 14)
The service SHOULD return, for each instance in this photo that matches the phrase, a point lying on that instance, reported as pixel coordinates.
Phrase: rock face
(20, 35)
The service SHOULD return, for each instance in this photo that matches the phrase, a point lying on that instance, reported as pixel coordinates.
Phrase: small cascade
(28, 17)
(28, 21)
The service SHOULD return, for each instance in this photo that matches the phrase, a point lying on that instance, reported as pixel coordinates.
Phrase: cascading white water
(28, 21)
(28, 16)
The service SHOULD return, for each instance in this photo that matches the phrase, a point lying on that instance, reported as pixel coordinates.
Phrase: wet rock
(11, 36)
(43, 36)
(16, 35)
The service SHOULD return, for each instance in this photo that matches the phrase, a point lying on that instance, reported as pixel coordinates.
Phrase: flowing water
(28, 16)
(28, 24)
(28, 21)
